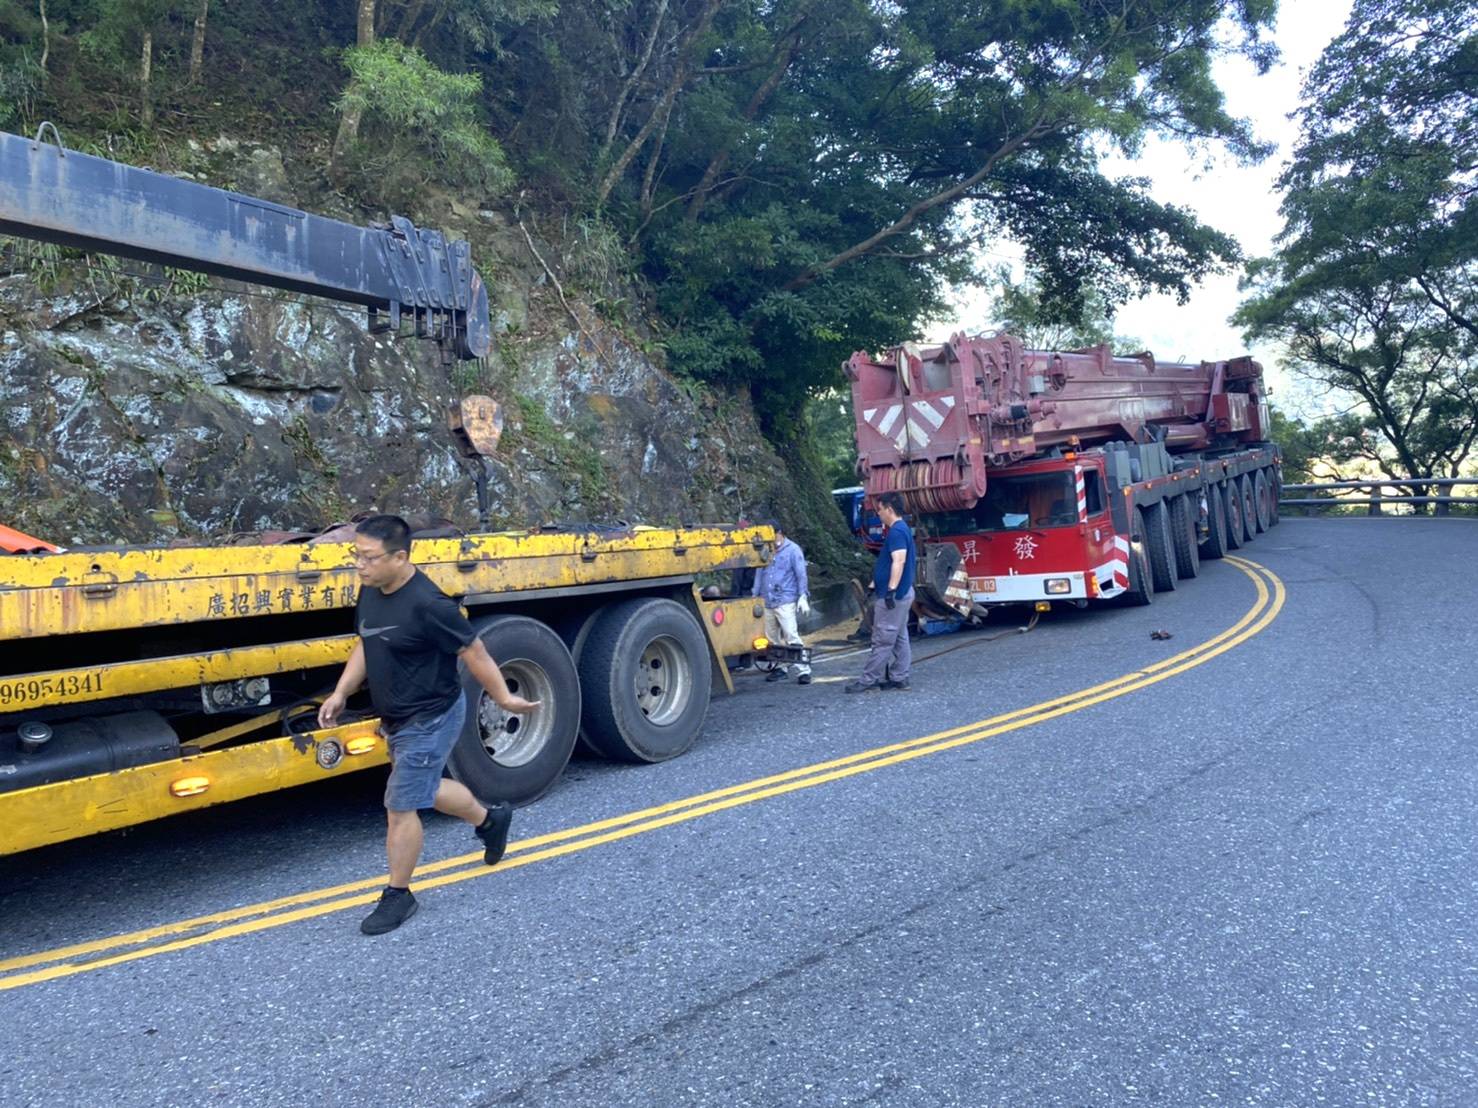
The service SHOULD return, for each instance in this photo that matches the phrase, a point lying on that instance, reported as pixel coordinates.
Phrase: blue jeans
(418, 753)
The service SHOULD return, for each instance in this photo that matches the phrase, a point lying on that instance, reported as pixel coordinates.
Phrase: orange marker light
(361, 744)
(762, 643)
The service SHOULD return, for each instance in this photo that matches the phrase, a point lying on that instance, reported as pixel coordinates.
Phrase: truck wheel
(1159, 547)
(1141, 589)
(646, 677)
(1183, 535)
(573, 629)
(1249, 509)
(1215, 545)
(1260, 493)
(1232, 497)
(517, 758)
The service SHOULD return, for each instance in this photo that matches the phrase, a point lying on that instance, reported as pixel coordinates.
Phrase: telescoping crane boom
(74, 199)
(932, 421)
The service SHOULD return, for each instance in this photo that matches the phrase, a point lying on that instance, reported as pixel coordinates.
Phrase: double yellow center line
(66, 961)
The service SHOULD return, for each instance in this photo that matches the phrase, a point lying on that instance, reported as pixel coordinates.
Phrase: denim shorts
(418, 753)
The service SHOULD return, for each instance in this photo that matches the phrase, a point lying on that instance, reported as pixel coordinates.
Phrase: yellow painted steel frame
(63, 594)
(76, 686)
(743, 622)
(46, 814)
(137, 589)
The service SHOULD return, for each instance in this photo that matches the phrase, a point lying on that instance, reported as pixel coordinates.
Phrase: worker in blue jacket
(783, 586)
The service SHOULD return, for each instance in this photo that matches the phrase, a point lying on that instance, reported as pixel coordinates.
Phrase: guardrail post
(1442, 506)
(1375, 498)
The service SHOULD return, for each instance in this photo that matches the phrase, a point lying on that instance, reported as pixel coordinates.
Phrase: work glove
(803, 606)
(888, 601)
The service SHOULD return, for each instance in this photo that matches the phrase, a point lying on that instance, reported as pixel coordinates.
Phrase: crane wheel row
(1165, 547)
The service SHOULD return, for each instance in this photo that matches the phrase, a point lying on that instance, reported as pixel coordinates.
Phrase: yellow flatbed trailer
(136, 683)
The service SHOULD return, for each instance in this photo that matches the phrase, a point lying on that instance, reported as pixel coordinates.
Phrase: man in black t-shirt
(410, 637)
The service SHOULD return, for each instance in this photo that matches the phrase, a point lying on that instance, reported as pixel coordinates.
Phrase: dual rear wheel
(635, 689)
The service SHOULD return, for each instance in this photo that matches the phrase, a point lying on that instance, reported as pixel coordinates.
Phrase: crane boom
(74, 199)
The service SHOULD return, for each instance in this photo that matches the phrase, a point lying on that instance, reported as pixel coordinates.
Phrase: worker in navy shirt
(890, 660)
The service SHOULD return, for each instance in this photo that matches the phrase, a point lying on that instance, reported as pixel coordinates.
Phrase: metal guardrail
(1377, 500)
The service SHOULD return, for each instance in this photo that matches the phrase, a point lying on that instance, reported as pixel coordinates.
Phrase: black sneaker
(901, 686)
(493, 831)
(776, 675)
(859, 687)
(395, 907)
(803, 679)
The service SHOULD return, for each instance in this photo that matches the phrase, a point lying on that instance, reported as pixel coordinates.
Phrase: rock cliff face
(134, 414)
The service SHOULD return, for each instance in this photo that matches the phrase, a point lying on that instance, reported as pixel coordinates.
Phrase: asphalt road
(1246, 876)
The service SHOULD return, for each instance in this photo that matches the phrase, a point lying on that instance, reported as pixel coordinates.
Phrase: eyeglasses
(370, 559)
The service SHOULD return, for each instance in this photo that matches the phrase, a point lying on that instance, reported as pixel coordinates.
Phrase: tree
(126, 28)
(1373, 291)
(197, 41)
(393, 69)
(806, 177)
(351, 108)
(23, 60)
(1020, 309)
(429, 123)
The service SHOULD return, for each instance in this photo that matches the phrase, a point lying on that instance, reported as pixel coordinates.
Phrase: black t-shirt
(411, 639)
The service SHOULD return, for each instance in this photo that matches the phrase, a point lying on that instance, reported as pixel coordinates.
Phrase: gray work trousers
(891, 656)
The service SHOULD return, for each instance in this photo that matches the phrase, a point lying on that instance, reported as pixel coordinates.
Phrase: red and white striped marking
(957, 595)
(1082, 493)
(1113, 575)
(914, 431)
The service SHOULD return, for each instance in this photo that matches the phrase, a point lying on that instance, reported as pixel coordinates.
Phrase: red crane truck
(1067, 476)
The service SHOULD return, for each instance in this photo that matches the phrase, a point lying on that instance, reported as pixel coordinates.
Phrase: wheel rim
(513, 739)
(664, 681)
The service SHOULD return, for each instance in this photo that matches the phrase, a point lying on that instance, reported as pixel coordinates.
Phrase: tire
(1141, 589)
(1183, 536)
(517, 759)
(1249, 509)
(1159, 547)
(1215, 545)
(646, 676)
(1232, 498)
(1260, 493)
(574, 628)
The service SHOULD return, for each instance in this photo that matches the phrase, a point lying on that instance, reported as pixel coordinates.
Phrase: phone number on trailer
(28, 690)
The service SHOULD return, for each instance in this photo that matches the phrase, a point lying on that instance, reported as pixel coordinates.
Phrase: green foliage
(1374, 289)
(818, 185)
(779, 182)
(833, 430)
(1021, 309)
(117, 28)
(421, 123)
(20, 83)
(1319, 451)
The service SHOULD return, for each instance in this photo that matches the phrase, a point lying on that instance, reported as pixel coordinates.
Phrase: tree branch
(784, 54)
(680, 77)
(629, 86)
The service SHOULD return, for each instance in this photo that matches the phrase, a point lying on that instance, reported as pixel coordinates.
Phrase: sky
(1240, 200)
